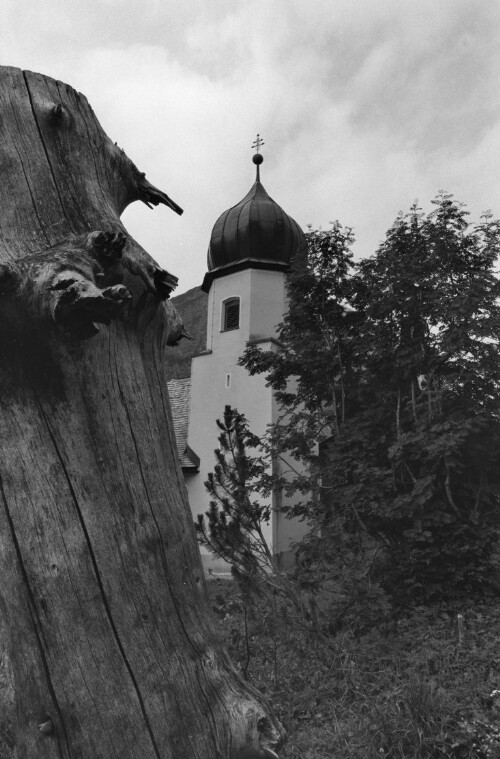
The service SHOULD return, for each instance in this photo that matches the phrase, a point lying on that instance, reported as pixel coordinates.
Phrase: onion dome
(255, 233)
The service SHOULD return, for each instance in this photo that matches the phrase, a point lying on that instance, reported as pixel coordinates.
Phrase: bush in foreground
(409, 688)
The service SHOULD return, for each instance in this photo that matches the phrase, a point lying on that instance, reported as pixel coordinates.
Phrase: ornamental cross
(257, 143)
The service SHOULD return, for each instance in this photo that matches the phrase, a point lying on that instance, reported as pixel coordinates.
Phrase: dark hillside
(192, 306)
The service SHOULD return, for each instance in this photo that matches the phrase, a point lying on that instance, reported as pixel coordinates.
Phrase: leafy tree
(315, 378)
(316, 326)
(404, 393)
(312, 375)
(426, 475)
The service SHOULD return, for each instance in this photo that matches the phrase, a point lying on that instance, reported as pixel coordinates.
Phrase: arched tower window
(231, 314)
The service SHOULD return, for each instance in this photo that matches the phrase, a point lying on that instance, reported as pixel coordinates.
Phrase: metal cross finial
(257, 143)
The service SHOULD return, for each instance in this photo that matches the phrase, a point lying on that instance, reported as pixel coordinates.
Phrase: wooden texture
(108, 649)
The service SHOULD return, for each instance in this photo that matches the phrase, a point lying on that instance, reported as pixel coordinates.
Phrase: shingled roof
(179, 391)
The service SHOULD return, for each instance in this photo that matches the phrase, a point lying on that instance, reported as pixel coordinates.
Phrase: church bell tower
(250, 250)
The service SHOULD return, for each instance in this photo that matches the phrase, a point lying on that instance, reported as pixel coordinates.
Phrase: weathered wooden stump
(108, 643)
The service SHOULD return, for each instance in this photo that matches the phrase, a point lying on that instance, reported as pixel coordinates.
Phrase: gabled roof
(179, 391)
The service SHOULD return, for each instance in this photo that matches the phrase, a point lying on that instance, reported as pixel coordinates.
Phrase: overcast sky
(364, 105)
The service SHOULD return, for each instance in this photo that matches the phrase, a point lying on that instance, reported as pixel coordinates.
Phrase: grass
(408, 688)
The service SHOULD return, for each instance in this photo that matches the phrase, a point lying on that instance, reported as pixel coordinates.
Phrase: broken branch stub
(69, 283)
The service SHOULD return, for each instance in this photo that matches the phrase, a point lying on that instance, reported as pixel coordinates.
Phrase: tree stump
(108, 646)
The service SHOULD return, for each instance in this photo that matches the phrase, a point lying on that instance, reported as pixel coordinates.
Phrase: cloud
(363, 106)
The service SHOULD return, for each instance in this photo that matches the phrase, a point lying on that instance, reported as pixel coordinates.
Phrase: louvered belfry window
(231, 314)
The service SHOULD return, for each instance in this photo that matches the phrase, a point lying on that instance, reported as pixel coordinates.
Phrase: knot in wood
(47, 727)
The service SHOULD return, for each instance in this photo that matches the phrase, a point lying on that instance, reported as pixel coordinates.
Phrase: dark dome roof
(254, 233)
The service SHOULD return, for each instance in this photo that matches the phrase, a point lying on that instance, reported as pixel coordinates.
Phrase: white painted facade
(217, 380)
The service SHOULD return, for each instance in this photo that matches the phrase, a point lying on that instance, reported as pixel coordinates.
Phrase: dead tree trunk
(107, 641)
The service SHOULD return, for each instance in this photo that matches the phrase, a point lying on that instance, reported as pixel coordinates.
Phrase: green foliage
(406, 689)
(430, 402)
(335, 573)
(317, 330)
(232, 528)
(402, 395)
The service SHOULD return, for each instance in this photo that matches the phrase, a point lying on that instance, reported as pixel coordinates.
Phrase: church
(240, 302)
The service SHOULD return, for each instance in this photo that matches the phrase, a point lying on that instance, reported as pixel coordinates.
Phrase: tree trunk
(107, 643)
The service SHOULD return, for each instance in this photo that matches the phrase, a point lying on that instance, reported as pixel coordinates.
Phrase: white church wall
(217, 380)
(267, 291)
(286, 531)
(238, 285)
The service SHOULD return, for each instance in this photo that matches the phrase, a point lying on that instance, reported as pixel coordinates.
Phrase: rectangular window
(231, 314)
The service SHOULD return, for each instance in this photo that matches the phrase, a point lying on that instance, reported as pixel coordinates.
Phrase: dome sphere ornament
(258, 158)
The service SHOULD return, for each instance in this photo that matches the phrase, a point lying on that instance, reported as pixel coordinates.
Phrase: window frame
(226, 303)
